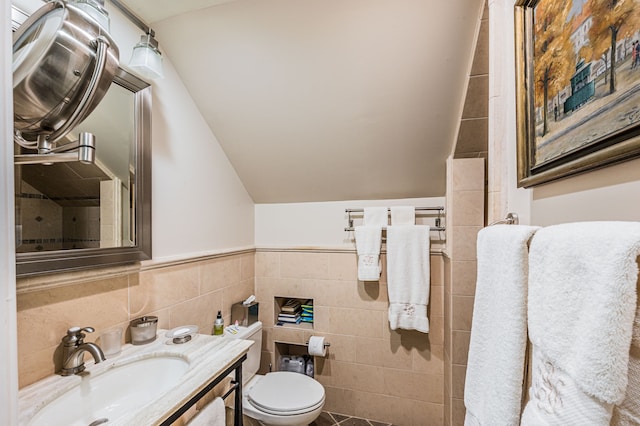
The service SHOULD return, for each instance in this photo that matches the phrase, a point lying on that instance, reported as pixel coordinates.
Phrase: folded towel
(368, 242)
(375, 216)
(408, 278)
(403, 215)
(212, 414)
(582, 303)
(495, 367)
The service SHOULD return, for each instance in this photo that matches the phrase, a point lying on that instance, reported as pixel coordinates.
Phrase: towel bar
(439, 209)
(510, 219)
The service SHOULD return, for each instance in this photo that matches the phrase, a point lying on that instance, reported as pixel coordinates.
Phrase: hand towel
(582, 302)
(495, 366)
(375, 216)
(403, 215)
(368, 243)
(212, 414)
(408, 277)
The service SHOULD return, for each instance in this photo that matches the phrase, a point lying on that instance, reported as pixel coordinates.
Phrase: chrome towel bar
(419, 210)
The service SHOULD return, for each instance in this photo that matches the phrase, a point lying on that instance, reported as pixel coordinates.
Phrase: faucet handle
(75, 335)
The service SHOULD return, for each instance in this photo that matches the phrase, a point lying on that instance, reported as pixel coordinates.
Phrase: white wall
(612, 193)
(504, 196)
(189, 167)
(320, 224)
(8, 339)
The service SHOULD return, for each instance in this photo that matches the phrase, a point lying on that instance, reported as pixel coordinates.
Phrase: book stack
(307, 311)
(290, 312)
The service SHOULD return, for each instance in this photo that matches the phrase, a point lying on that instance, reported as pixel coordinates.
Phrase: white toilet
(279, 398)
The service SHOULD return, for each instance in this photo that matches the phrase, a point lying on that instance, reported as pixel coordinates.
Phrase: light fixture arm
(133, 17)
(83, 150)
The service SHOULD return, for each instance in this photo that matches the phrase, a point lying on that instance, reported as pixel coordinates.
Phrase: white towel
(582, 302)
(368, 243)
(375, 216)
(408, 277)
(555, 399)
(212, 414)
(628, 412)
(403, 215)
(495, 367)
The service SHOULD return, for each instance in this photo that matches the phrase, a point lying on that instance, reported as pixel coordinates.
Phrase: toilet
(279, 398)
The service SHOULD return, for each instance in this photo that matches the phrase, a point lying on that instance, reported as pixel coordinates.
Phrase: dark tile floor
(333, 419)
(325, 419)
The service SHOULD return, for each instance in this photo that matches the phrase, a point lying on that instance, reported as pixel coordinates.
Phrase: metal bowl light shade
(63, 64)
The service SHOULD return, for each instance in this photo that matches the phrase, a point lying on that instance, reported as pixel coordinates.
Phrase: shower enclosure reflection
(75, 205)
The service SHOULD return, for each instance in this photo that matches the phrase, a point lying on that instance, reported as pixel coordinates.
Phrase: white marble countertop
(208, 357)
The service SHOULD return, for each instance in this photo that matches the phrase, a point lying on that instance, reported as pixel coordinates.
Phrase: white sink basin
(116, 392)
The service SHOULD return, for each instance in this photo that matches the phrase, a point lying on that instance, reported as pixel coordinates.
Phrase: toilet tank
(253, 332)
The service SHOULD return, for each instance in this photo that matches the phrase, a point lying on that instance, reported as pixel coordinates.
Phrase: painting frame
(619, 146)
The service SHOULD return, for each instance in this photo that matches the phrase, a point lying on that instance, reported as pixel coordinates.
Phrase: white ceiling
(322, 100)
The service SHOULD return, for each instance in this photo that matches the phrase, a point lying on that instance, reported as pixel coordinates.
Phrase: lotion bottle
(218, 325)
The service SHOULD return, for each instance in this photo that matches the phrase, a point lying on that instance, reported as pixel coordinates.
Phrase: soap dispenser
(218, 325)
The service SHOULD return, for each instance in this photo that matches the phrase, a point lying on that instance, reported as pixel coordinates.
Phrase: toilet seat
(285, 393)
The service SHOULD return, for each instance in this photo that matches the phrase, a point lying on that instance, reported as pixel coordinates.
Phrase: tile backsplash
(370, 372)
(186, 293)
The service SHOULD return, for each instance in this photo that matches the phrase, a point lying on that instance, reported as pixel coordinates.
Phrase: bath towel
(627, 413)
(368, 243)
(212, 414)
(403, 215)
(408, 277)
(495, 366)
(582, 303)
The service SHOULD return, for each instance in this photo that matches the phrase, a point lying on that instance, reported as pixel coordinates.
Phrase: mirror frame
(38, 263)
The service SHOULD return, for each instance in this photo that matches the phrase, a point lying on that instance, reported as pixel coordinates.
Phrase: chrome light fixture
(64, 61)
(146, 58)
(95, 9)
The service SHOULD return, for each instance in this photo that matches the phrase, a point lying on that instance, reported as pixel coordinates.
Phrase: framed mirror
(72, 216)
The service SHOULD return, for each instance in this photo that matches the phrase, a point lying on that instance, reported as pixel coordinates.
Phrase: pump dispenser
(218, 325)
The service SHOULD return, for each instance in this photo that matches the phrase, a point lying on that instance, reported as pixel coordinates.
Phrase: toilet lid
(286, 392)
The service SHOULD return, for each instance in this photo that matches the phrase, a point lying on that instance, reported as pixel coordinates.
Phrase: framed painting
(577, 86)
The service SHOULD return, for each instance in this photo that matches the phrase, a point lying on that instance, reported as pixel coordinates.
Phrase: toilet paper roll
(316, 346)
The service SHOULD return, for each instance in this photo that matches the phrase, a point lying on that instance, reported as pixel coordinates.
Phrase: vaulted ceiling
(321, 100)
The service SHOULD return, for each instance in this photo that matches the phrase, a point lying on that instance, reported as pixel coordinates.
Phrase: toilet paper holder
(326, 344)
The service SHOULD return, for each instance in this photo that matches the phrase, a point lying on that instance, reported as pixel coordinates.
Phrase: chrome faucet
(73, 349)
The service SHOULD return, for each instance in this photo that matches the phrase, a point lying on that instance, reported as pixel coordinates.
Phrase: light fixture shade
(146, 59)
(95, 9)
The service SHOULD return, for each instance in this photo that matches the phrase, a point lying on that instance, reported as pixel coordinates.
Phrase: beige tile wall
(473, 133)
(371, 371)
(466, 217)
(467, 197)
(179, 294)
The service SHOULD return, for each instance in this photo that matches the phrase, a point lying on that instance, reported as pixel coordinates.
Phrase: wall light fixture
(146, 58)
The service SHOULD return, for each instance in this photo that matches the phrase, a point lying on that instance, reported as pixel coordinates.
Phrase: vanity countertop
(208, 357)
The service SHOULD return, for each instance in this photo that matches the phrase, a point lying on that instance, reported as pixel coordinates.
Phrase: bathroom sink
(118, 391)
